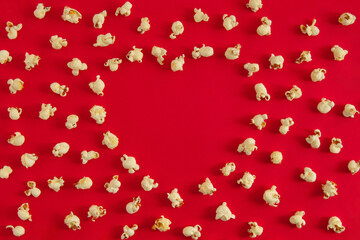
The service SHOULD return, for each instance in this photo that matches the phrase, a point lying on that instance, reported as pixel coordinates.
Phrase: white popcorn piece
(204, 51)
(5, 56)
(207, 188)
(347, 19)
(233, 53)
(110, 140)
(318, 74)
(325, 105)
(248, 146)
(5, 172)
(336, 145)
(135, 55)
(175, 198)
(229, 22)
(96, 212)
(297, 219)
(247, 180)
(309, 175)
(15, 85)
(87, 156)
(265, 28)
(228, 168)
(28, 159)
(97, 86)
(129, 231)
(33, 191)
(200, 16)
(255, 230)
(276, 157)
(178, 63)
(71, 121)
(272, 197)
(162, 224)
(286, 123)
(259, 121)
(76, 65)
(276, 62)
(305, 56)
(41, 10)
(124, 10)
(251, 68)
(114, 185)
(62, 90)
(354, 166)
(254, 5)
(144, 25)
(99, 19)
(71, 15)
(58, 42)
(72, 221)
(98, 113)
(12, 30)
(104, 40)
(329, 189)
(339, 53)
(177, 29)
(60, 149)
(129, 163)
(134, 206)
(84, 183)
(113, 64)
(46, 111)
(14, 113)
(294, 93)
(335, 224)
(261, 92)
(17, 231)
(159, 53)
(350, 111)
(314, 140)
(192, 231)
(17, 139)
(56, 183)
(23, 212)
(311, 30)
(148, 183)
(224, 213)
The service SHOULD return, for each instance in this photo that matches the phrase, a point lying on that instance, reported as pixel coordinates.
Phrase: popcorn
(335, 224)
(259, 121)
(261, 92)
(339, 53)
(34, 191)
(276, 157)
(62, 90)
(144, 25)
(329, 189)
(233, 53)
(309, 175)
(224, 213)
(41, 10)
(159, 53)
(254, 5)
(336, 145)
(325, 105)
(135, 55)
(104, 40)
(353, 166)
(271, 196)
(58, 42)
(71, 15)
(350, 111)
(293, 93)
(28, 159)
(113, 64)
(96, 212)
(175, 199)
(162, 224)
(87, 156)
(177, 28)
(255, 230)
(192, 231)
(314, 140)
(76, 65)
(229, 22)
(129, 231)
(251, 68)
(318, 74)
(134, 206)
(5, 172)
(297, 220)
(305, 56)
(97, 86)
(276, 62)
(311, 30)
(124, 10)
(60, 149)
(23, 212)
(17, 231)
(148, 183)
(84, 183)
(12, 30)
(247, 180)
(15, 85)
(347, 19)
(46, 111)
(228, 168)
(17, 139)
(110, 140)
(200, 16)
(178, 63)
(265, 28)
(248, 146)
(14, 113)
(5, 57)
(285, 125)
(207, 188)
(56, 183)
(72, 221)
(98, 113)
(114, 185)
(202, 52)
(129, 163)
(71, 121)
(99, 19)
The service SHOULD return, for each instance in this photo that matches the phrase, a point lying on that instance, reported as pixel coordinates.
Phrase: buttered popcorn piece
(247, 180)
(5, 172)
(56, 183)
(259, 121)
(329, 189)
(12, 30)
(354, 166)
(248, 146)
(175, 198)
(228, 168)
(87, 156)
(15, 85)
(178, 63)
(265, 28)
(96, 212)
(325, 105)
(62, 90)
(297, 219)
(200, 16)
(311, 30)
(104, 40)
(135, 55)
(46, 111)
(148, 183)
(192, 231)
(272, 197)
(71, 15)
(336, 145)
(251, 68)
(72, 221)
(98, 113)
(162, 224)
(276, 62)
(233, 53)
(99, 19)
(58, 42)
(71, 121)
(305, 56)
(113, 64)
(14, 113)
(23, 212)
(97, 86)
(261, 92)
(276, 157)
(129, 163)
(224, 213)
(124, 10)
(41, 10)
(28, 159)
(114, 185)
(255, 230)
(207, 188)
(347, 19)
(76, 65)
(17, 139)
(350, 111)
(318, 74)
(159, 53)
(286, 123)
(17, 231)
(293, 93)
(129, 231)
(335, 224)
(314, 140)
(254, 5)
(339, 53)
(229, 22)
(144, 25)
(204, 51)
(31, 60)
(177, 29)
(33, 191)
(84, 183)
(110, 140)
(134, 206)
(60, 149)
(5, 56)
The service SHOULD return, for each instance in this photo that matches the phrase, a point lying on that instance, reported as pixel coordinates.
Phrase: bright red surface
(182, 127)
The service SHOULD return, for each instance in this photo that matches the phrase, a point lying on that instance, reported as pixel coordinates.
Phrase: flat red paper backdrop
(182, 127)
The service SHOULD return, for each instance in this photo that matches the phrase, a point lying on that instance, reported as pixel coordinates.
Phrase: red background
(182, 127)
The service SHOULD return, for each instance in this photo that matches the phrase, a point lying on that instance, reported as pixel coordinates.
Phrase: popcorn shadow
(210, 212)
(312, 105)
(326, 54)
(284, 220)
(298, 171)
(322, 224)
(317, 189)
(217, 22)
(233, 145)
(273, 126)
(338, 110)
(302, 140)
(342, 167)
(256, 195)
(264, 156)
(250, 95)
(176, 231)
(252, 24)
(325, 144)
(243, 230)
(162, 199)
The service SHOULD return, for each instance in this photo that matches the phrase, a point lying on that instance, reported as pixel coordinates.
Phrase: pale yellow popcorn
(272, 197)
(329, 189)
(71, 15)
(207, 188)
(162, 224)
(224, 213)
(311, 30)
